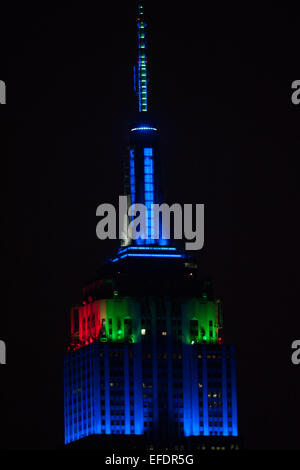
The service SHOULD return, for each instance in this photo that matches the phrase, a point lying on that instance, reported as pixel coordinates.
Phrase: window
(148, 152)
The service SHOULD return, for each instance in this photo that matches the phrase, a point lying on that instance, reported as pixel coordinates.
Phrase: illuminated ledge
(148, 252)
(143, 128)
(147, 255)
(147, 248)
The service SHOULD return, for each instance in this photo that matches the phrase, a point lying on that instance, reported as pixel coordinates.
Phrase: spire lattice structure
(142, 79)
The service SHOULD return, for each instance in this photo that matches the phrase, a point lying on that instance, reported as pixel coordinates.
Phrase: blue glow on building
(96, 401)
(138, 390)
(148, 152)
(148, 255)
(149, 189)
(148, 248)
(154, 255)
(205, 392)
(208, 410)
(132, 177)
(224, 393)
(82, 411)
(143, 188)
(233, 392)
(115, 388)
(126, 391)
(106, 390)
(143, 128)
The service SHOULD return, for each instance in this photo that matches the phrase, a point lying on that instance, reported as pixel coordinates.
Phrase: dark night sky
(220, 89)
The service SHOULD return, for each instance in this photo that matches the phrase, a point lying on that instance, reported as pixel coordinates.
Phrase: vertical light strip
(126, 390)
(80, 423)
(187, 390)
(74, 400)
(132, 177)
(224, 392)
(233, 392)
(149, 189)
(205, 392)
(132, 183)
(66, 399)
(107, 389)
(97, 392)
(138, 389)
(195, 392)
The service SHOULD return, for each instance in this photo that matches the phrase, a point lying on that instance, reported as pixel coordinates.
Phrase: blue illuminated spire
(141, 80)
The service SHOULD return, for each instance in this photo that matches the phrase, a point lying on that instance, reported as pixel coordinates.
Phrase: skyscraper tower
(147, 366)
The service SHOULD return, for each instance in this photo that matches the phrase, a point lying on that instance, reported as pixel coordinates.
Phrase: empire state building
(147, 366)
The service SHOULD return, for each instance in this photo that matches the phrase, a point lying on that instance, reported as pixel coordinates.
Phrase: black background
(220, 88)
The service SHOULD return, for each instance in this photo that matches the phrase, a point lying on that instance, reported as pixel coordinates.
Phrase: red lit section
(86, 322)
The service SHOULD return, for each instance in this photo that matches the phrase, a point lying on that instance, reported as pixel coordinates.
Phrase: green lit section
(122, 322)
(201, 321)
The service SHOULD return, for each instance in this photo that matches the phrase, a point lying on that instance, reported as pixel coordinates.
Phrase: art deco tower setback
(147, 366)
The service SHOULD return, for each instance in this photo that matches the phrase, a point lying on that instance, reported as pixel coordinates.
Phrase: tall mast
(142, 79)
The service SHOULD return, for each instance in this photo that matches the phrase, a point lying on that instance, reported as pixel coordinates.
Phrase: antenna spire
(142, 79)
